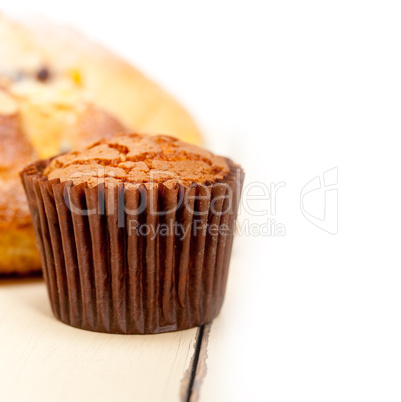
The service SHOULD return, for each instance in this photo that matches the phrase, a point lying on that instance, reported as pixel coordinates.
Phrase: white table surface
(45, 360)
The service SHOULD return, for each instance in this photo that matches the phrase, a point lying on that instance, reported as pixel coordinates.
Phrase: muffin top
(137, 158)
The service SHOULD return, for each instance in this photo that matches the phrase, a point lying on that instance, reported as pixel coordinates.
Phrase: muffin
(59, 91)
(135, 232)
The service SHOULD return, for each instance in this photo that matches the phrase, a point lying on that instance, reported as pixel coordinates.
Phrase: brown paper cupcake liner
(134, 260)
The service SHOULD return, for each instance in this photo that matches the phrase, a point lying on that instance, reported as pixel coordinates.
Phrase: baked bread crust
(17, 243)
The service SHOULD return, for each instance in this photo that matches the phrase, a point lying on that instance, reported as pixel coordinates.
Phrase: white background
(290, 90)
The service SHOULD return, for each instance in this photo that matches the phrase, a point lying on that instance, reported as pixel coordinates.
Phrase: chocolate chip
(43, 74)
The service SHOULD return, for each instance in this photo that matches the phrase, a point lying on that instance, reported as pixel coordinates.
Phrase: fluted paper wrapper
(113, 269)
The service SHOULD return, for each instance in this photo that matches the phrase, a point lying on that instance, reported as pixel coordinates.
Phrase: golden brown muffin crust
(136, 158)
